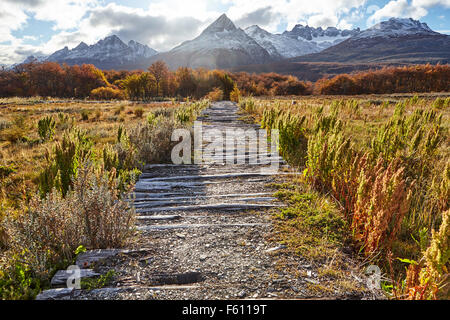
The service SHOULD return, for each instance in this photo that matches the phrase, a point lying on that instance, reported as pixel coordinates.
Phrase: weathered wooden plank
(87, 258)
(150, 204)
(215, 196)
(218, 206)
(159, 218)
(176, 278)
(194, 226)
(61, 276)
(210, 176)
(55, 294)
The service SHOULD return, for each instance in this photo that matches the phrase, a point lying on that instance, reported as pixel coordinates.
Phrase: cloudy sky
(39, 27)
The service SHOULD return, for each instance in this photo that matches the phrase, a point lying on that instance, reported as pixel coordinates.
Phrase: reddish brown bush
(417, 78)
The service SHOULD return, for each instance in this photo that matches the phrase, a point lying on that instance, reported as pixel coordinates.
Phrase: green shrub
(46, 128)
(62, 165)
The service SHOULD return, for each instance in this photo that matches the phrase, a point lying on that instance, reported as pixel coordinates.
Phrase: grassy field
(383, 160)
(66, 168)
(374, 178)
(22, 149)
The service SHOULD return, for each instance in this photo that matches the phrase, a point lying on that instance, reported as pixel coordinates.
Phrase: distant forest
(49, 79)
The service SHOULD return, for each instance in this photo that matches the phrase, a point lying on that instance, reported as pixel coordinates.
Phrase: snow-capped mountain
(323, 39)
(393, 41)
(110, 52)
(279, 45)
(220, 45)
(396, 27)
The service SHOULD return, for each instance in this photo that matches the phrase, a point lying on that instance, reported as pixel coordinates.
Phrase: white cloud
(415, 9)
(163, 24)
(321, 20)
(319, 12)
(11, 18)
(431, 3)
(397, 9)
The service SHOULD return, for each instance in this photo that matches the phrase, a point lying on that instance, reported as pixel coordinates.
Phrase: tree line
(87, 81)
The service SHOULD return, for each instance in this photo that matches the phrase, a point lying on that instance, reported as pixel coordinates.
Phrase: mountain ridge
(223, 45)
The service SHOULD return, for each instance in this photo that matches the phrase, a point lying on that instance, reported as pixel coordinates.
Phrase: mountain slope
(393, 41)
(281, 46)
(319, 37)
(108, 53)
(220, 45)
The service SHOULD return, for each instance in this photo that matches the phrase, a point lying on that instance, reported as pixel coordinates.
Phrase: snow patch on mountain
(109, 49)
(321, 38)
(279, 45)
(396, 27)
(220, 41)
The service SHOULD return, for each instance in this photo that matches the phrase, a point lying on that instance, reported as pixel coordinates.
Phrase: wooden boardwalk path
(204, 231)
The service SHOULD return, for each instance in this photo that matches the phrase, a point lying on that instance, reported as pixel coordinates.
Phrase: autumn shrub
(215, 95)
(107, 93)
(382, 202)
(392, 187)
(428, 279)
(235, 95)
(416, 78)
(341, 84)
(92, 214)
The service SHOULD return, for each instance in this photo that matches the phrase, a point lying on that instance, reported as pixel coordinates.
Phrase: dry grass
(28, 155)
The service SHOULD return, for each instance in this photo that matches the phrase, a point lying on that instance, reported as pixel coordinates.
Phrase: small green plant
(46, 128)
(5, 171)
(98, 283)
(17, 281)
(62, 164)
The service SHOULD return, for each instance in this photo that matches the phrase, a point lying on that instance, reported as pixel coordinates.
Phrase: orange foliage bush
(107, 93)
(416, 78)
(51, 79)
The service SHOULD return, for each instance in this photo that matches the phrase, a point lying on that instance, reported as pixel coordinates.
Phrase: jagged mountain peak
(280, 45)
(397, 27)
(223, 23)
(314, 34)
(402, 24)
(112, 40)
(110, 52)
(255, 29)
(81, 46)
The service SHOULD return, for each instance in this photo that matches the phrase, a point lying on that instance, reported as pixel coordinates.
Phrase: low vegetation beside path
(385, 164)
(66, 172)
